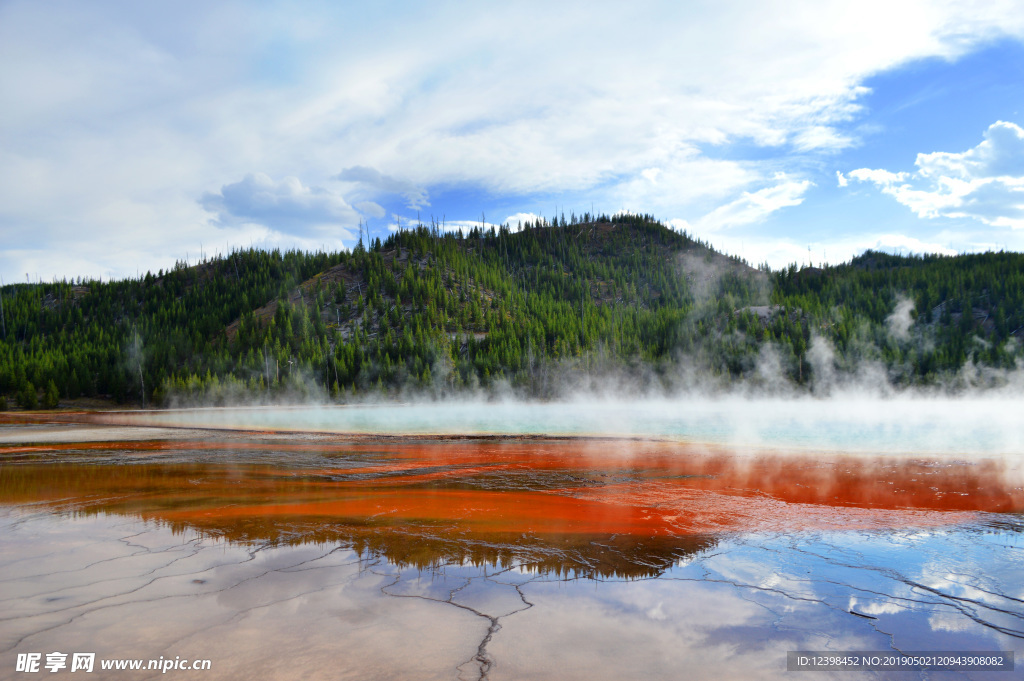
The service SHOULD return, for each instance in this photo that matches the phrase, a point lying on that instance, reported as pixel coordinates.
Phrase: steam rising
(900, 320)
(849, 402)
(844, 422)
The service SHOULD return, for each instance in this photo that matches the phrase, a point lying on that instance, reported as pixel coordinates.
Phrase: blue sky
(133, 135)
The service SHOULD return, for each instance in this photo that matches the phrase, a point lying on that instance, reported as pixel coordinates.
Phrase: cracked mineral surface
(306, 556)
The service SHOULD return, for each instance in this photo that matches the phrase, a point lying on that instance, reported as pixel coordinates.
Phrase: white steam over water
(990, 426)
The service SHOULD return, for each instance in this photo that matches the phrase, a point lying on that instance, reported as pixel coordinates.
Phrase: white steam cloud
(900, 321)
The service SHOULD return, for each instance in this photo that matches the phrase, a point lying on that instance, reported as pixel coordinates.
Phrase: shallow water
(933, 426)
(288, 556)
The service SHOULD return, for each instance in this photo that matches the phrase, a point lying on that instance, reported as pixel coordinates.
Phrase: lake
(656, 540)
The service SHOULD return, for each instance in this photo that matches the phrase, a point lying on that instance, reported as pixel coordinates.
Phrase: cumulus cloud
(517, 219)
(374, 181)
(985, 183)
(285, 205)
(679, 225)
(426, 97)
(1001, 154)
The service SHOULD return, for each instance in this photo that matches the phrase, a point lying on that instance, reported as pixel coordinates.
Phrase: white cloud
(463, 226)
(371, 209)
(651, 174)
(985, 183)
(780, 252)
(286, 204)
(877, 176)
(517, 219)
(902, 244)
(1000, 154)
(821, 137)
(752, 207)
(680, 225)
(373, 181)
(114, 112)
(683, 178)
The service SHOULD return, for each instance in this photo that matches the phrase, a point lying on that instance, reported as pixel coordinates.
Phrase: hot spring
(600, 539)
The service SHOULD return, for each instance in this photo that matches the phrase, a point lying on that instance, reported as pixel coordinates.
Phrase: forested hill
(531, 310)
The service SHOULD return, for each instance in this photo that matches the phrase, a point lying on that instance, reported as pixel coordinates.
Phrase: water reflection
(601, 508)
(294, 557)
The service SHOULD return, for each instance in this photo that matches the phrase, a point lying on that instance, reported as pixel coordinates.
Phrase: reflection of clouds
(973, 583)
(874, 606)
(947, 620)
(310, 611)
(950, 586)
(671, 628)
(657, 612)
(964, 581)
(939, 588)
(757, 569)
(649, 629)
(302, 611)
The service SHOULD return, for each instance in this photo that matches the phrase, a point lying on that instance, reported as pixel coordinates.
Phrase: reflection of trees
(1011, 522)
(425, 548)
(568, 556)
(545, 507)
(194, 497)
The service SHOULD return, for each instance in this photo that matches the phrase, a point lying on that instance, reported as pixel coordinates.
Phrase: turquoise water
(932, 426)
